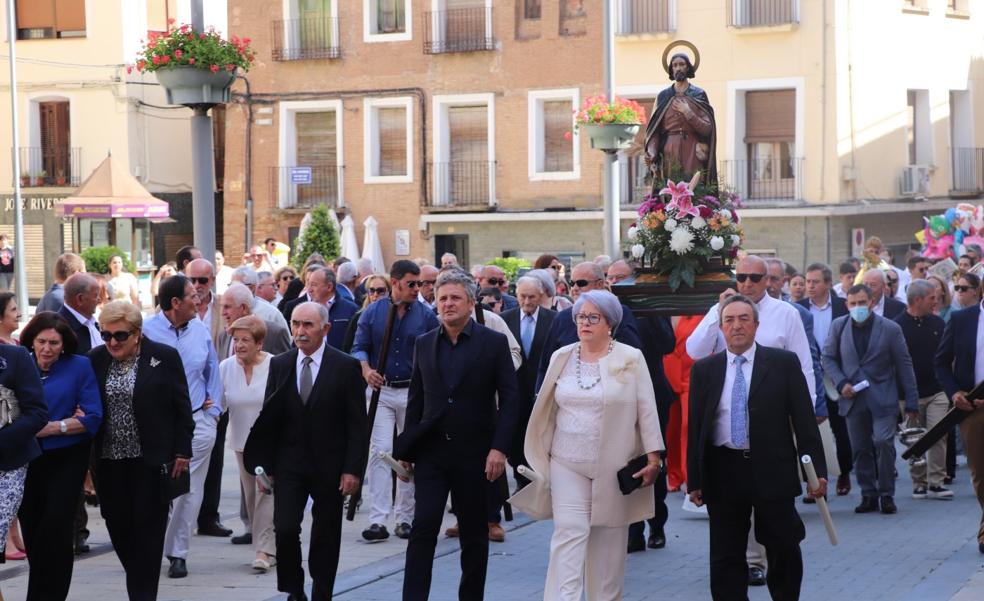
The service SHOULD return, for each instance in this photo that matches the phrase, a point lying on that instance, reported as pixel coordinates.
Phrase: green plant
(510, 266)
(183, 46)
(97, 259)
(319, 236)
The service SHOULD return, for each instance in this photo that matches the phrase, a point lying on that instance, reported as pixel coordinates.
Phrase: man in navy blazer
(323, 289)
(958, 371)
(81, 299)
(885, 305)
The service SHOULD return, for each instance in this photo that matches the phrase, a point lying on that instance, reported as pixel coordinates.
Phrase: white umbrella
(372, 249)
(350, 246)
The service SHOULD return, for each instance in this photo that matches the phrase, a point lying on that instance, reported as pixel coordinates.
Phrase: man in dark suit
(81, 300)
(455, 436)
(884, 305)
(586, 276)
(958, 371)
(741, 455)
(237, 302)
(311, 437)
(322, 288)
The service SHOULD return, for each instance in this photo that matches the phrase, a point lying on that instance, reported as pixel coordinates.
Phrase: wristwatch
(63, 426)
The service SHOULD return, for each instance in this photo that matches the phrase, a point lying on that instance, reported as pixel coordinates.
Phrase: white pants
(184, 509)
(584, 559)
(392, 410)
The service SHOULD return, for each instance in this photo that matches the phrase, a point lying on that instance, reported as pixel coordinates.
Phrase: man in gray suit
(237, 301)
(866, 356)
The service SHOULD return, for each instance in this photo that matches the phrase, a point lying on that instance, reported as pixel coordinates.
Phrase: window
(573, 18)
(308, 31)
(40, 19)
(637, 183)
(762, 13)
(387, 20)
(918, 127)
(158, 13)
(553, 145)
(770, 133)
(311, 166)
(463, 171)
(388, 135)
(531, 9)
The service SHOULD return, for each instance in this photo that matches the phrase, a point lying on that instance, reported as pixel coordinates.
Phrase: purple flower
(650, 205)
(712, 200)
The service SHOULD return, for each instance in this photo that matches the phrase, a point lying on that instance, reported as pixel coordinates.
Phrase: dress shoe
(496, 533)
(868, 504)
(297, 597)
(246, 538)
(262, 565)
(178, 568)
(453, 531)
(636, 543)
(81, 548)
(375, 532)
(843, 484)
(756, 576)
(214, 529)
(402, 530)
(657, 540)
(888, 505)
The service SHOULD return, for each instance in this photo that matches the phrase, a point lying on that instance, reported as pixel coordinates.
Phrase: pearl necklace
(577, 367)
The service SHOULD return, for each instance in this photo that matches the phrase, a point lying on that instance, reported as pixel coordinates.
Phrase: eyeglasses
(891, 280)
(960, 288)
(119, 336)
(588, 318)
(377, 290)
(584, 283)
(202, 281)
(755, 277)
(427, 282)
(495, 281)
(556, 267)
(287, 278)
(617, 278)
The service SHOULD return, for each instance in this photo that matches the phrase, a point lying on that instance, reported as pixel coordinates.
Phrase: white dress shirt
(780, 326)
(315, 364)
(879, 308)
(722, 423)
(90, 324)
(494, 322)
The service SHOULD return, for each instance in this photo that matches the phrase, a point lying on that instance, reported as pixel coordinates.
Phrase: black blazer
(837, 304)
(160, 401)
(325, 438)
(467, 412)
(956, 355)
(893, 308)
(19, 373)
(293, 291)
(527, 372)
(658, 340)
(777, 397)
(289, 305)
(81, 332)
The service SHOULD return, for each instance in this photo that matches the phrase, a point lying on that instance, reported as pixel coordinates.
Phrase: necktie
(739, 407)
(307, 382)
(527, 333)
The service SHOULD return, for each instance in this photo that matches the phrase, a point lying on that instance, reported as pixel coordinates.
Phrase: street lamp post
(203, 167)
(20, 275)
(612, 230)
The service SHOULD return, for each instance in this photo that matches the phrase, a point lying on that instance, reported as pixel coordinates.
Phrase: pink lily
(681, 198)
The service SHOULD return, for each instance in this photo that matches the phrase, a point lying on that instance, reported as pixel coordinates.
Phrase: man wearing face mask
(867, 358)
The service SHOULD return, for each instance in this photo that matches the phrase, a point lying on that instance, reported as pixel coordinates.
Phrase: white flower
(735, 240)
(717, 242)
(724, 214)
(698, 223)
(638, 250)
(633, 233)
(670, 225)
(681, 241)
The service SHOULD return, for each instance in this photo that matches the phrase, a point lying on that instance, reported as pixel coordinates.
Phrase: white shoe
(263, 565)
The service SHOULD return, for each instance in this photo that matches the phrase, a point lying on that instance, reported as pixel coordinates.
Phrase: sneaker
(919, 492)
(940, 492)
(375, 532)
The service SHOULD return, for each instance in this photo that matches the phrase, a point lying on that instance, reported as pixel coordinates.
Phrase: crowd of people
(305, 374)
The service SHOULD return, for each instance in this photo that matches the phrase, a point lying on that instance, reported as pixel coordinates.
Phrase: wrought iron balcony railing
(765, 181)
(50, 166)
(646, 16)
(306, 187)
(456, 184)
(458, 30)
(968, 169)
(762, 13)
(307, 38)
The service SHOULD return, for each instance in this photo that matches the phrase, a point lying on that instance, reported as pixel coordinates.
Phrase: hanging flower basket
(611, 136)
(609, 125)
(190, 85)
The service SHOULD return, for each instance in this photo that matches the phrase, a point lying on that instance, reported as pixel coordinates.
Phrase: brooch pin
(154, 361)
(3, 363)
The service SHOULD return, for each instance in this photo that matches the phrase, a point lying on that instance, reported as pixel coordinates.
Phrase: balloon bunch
(946, 235)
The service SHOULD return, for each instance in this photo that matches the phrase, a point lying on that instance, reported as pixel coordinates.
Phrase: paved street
(927, 552)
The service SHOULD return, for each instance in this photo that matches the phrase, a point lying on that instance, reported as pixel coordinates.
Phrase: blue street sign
(300, 175)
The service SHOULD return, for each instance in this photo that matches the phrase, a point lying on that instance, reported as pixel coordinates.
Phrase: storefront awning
(110, 192)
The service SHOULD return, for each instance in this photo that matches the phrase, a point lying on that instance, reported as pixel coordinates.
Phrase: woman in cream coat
(595, 412)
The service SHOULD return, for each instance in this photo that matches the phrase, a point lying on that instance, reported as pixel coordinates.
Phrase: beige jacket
(630, 406)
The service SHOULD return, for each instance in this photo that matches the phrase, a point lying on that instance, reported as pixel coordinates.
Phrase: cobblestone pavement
(926, 552)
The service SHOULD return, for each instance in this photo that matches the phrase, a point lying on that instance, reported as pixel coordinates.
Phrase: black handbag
(626, 483)
(172, 488)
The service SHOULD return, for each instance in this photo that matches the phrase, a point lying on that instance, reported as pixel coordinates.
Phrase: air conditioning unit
(915, 180)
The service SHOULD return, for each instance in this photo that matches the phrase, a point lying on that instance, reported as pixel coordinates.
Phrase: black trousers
(845, 455)
(443, 469)
(47, 518)
(130, 502)
(208, 513)
(777, 526)
(291, 491)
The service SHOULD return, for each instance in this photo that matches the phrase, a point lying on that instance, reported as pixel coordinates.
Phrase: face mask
(860, 314)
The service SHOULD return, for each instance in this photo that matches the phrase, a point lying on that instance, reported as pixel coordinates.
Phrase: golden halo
(666, 53)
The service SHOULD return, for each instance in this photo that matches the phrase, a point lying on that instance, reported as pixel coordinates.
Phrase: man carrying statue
(680, 135)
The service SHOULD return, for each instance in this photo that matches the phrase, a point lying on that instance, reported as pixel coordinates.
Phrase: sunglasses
(200, 280)
(119, 336)
(495, 281)
(556, 267)
(891, 280)
(584, 283)
(412, 283)
(377, 290)
(960, 288)
(287, 278)
(755, 277)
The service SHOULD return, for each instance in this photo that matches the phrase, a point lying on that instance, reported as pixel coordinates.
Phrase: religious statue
(680, 136)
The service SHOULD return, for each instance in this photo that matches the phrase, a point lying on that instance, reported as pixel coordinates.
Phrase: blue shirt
(201, 364)
(418, 319)
(822, 319)
(71, 383)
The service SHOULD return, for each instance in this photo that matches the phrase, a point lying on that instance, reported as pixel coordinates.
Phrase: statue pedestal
(648, 293)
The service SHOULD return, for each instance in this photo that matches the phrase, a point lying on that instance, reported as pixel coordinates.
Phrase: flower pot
(192, 86)
(25, 182)
(611, 136)
(60, 181)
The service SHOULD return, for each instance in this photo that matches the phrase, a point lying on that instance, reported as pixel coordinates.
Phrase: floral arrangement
(596, 110)
(182, 46)
(684, 226)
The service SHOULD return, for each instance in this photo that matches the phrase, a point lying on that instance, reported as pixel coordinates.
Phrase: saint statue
(680, 136)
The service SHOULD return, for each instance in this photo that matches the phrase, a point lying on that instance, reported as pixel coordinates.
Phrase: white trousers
(184, 509)
(584, 559)
(392, 411)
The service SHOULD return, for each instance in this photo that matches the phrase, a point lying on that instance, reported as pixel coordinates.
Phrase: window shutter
(558, 152)
(316, 139)
(392, 140)
(70, 15)
(468, 131)
(770, 116)
(35, 14)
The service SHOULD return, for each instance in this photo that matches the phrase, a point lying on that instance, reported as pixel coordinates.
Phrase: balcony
(762, 13)
(458, 30)
(307, 38)
(58, 166)
(639, 17)
(968, 170)
(460, 186)
(765, 181)
(293, 188)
